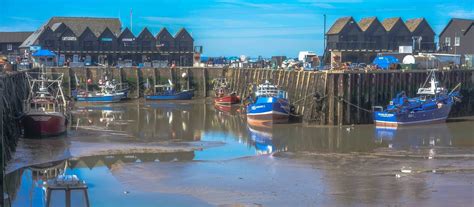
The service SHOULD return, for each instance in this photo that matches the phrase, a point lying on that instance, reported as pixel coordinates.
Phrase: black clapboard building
(104, 41)
(10, 41)
(352, 41)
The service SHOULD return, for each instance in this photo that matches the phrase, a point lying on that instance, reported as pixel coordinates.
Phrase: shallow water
(286, 165)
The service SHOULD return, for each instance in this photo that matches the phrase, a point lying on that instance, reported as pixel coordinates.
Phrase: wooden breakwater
(319, 97)
(347, 97)
(13, 90)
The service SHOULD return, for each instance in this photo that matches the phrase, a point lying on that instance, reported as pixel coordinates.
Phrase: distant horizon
(238, 27)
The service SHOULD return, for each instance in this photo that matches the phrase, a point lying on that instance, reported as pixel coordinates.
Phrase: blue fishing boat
(431, 106)
(270, 106)
(104, 95)
(167, 92)
(110, 91)
(98, 97)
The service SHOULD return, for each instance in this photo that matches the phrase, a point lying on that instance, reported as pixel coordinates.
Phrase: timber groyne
(13, 91)
(319, 97)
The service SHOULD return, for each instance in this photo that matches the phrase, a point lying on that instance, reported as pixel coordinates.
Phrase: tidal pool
(195, 154)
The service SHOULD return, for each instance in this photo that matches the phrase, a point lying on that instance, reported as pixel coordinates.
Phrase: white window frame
(447, 41)
(9, 47)
(457, 41)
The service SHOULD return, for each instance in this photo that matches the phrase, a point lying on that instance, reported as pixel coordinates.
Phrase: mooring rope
(339, 98)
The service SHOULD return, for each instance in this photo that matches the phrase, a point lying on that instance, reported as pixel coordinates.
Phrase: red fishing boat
(45, 108)
(223, 94)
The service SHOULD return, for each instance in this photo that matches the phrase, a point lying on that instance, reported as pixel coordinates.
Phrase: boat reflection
(228, 109)
(262, 138)
(415, 136)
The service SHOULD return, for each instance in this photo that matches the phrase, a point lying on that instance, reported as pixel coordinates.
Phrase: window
(9, 47)
(447, 41)
(457, 41)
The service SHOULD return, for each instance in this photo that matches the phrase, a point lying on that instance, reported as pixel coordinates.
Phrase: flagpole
(131, 20)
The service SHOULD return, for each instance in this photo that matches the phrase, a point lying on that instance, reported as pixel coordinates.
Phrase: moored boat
(45, 108)
(223, 95)
(109, 92)
(99, 96)
(167, 92)
(228, 99)
(431, 106)
(270, 106)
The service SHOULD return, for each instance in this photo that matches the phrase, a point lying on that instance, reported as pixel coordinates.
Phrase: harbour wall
(319, 97)
(13, 91)
(347, 97)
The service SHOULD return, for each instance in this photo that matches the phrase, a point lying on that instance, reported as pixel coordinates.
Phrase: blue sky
(235, 27)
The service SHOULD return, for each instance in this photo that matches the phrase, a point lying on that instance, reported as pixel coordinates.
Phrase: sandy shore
(306, 180)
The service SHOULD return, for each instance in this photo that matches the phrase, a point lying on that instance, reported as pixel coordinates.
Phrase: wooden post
(348, 96)
(330, 91)
(340, 103)
(155, 77)
(204, 81)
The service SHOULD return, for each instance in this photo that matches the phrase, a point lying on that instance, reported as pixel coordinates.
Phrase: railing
(394, 46)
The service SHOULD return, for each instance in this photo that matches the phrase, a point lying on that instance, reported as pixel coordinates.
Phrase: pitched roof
(79, 24)
(145, 31)
(163, 31)
(126, 31)
(469, 28)
(390, 22)
(339, 25)
(14, 36)
(412, 24)
(464, 24)
(365, 23)
(183, 31)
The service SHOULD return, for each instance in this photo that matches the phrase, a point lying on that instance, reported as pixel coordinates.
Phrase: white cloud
(461, 13)
(324, 5)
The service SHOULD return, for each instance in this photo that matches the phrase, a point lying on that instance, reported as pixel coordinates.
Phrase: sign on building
(69, 39)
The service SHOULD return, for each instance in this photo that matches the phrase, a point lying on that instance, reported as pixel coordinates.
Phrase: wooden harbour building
(457, 38)
(104, 41)
(359, 42)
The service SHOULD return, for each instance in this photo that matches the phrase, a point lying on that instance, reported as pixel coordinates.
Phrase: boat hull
(101, 99)
(394, 120)
(44, 124)
(227, 100)
(185, 95)
(267, 114)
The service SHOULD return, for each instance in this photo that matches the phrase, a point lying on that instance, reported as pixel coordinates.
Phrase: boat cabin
(269, 90)
(434, 88)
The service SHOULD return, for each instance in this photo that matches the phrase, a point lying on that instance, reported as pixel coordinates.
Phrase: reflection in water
(262, 137)
(415, 136)
(25, 187)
